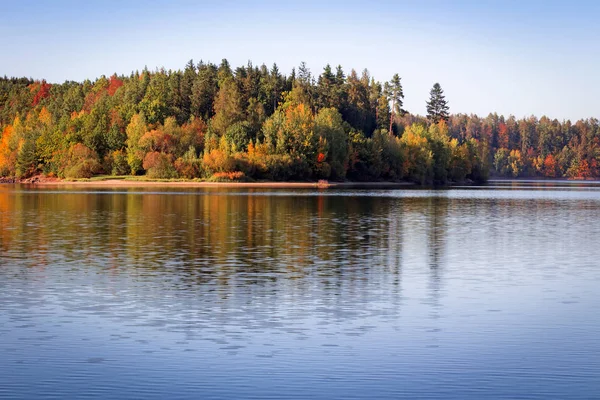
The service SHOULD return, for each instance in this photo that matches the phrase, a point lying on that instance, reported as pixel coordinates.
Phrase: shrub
(189, 166)
(278, 167)
(115, 163)
(188, 169)
(80, 162)
(323, 170)
(218, 161)
(228, 176)
(159, 166)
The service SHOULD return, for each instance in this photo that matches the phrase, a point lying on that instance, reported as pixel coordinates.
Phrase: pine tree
(437, 106)
(26, 158)
(186, 85)
(275, 85)
(395, 95)
(326, 88)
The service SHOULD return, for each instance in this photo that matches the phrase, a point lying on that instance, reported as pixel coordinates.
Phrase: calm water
(481, 293)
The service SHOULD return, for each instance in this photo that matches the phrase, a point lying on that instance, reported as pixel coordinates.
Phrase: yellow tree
(135, 154)
(7, 155)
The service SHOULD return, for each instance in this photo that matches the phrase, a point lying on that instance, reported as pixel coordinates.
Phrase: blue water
(476, 293)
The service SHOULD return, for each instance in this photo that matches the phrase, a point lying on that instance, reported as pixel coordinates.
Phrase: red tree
(42, 93)
(114, 83)
(503, 139)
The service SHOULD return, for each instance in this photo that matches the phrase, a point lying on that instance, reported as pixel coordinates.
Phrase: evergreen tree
(395, 95)
(204, 91)
(326, 88)
(304, 76)
(187, 83)
(437, 106)
(26, 158)
(275, 86)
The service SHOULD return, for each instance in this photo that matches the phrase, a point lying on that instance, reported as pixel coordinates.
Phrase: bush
(236, 176)
(159, 166)
(189, 166)
(217, 161)
(116, 164)
(322, 170)
(80, 162)
(278, 167)
(188, 169)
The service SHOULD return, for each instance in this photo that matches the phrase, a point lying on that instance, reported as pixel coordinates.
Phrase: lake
(464, 293)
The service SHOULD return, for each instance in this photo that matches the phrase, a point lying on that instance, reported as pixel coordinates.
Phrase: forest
(216, 123)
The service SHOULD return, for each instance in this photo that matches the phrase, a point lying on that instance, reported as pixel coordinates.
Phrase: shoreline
(125, 183)
(542, 179)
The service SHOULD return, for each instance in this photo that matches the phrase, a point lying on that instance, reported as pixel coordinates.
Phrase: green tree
(275, 87)
(439, 143)
(154, 104)
(228, 106)
(238, 136)
(26, 157)
(204, 91)
(383, 114)
(357, 111)
(437, 106)
(395, 95)
(186, 87)
(326, 88)
(329, 127)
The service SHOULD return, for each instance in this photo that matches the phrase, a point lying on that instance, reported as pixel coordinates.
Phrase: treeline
(210, 121)
(532, 147)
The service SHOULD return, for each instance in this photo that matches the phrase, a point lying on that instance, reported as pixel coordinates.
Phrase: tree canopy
(214, 121)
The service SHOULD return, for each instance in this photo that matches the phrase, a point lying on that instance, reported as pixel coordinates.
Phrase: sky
(511, 57)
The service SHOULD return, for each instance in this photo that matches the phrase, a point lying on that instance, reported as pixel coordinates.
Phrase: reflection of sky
(531, 57)
(447, 295)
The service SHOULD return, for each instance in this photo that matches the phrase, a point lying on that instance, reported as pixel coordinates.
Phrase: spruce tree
(437, 106)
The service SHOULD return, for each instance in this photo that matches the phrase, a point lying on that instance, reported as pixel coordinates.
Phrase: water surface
(480, 293)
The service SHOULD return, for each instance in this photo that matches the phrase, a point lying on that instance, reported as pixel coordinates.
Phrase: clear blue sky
(512, 57)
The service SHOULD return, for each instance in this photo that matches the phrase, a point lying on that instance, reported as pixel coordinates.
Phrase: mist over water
(480, 293)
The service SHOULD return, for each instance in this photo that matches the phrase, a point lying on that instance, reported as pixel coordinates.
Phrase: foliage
(332, 158)
(116, 164)
(210, 118)
(236, 176)
(79, 161)
(437, 106)
(189, 166)
(418, 166)
(159, 165)
(135, 131)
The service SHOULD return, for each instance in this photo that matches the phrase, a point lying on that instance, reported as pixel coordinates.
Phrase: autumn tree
(80, 162)
(418, 166)
(7, 153)
(135, 153)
